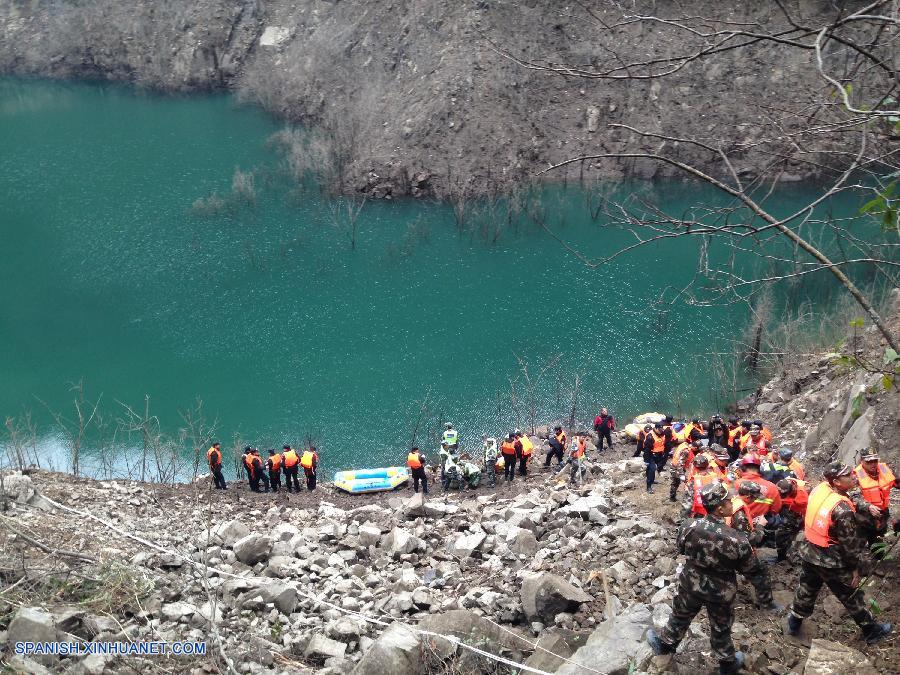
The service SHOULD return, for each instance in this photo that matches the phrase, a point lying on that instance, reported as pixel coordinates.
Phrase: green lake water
(265, 312)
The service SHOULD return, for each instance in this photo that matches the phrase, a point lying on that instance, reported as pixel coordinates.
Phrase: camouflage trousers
(785, 535)
(813, 577)
(677, 477)
(686, 605)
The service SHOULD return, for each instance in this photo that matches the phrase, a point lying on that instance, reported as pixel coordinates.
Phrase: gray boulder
(858, 439)
(831, 658)
(253, 548)
(545, 595)
(33, 624)
(396, 651)
(617, 646)
(398, 542)
(17, 487)
(230, 532)
(320, 647)
(464, 546)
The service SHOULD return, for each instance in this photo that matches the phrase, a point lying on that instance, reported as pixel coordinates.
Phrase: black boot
(731, 667)
(793, 624)
(657, 645)
(876, 632)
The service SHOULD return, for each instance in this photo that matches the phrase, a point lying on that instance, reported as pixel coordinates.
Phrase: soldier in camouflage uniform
(715, 553)
(793, 510)
(742, 521)
(836, 561)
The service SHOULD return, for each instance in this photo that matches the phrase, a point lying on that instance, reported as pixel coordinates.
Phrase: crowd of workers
(740, 492)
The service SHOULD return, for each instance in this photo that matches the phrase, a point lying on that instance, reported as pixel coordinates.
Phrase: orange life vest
(731, 434)
(275, 461)
(306, 461)
(799, 501)
(413, 460)
(659, 443)
(527, 446)
(254, 463)
(248, 461)
(740, 505)
(682, 455)
(508, 448)
(767, 434)
(759, 446)
(798, 469)
(214, 457)
(817, 524)
(561, 437)
(876, 491)
(578, 452)
(290, 458)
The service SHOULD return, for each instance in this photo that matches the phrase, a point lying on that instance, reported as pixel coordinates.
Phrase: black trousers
(603, 432)
(509, 467)
(554, 452)
(275, 480)
(218, 478)
(290, 478)
(310, 478)
(256, 479)
(419, 475)
(523, 465)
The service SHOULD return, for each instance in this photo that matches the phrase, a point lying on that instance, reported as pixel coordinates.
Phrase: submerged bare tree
(842, 132)
(76, 428)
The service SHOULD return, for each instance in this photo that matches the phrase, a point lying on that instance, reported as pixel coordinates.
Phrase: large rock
(831, 658)
(396, 651)
(33, 624)
(617, 646)
(859, 438)
(369, 535)
(464, 546)
(321, 648)
(546, 595)
(471, 629)
(253, 548)
(398, 542)
(230, 532)
(16, 487)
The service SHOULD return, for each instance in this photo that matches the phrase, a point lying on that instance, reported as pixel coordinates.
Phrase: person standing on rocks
(715, 554)
(557, 441)
(656, 445)
(718, 432)
(794, 500)
(450, 438)
(246, 463)
(415, 460)
(525, 453)
(508, 450)
(577, 450)
(291, 462)
(489, 458)
(273, 463)
(309, 460)
(701, 475)
(875, 483)
(832, 553)
(214, 457)
(257, 472)
(604, 425)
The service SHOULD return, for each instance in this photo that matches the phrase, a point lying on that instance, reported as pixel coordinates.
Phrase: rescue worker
(875, 483)
(525, 454)
(831, 555)
(309, 460)
(470, 474)
(415, 460)
(718, 432)
(720, 465)
(715, 554)
(755, 442)
(291, 462)
(575, 459)
(273, 463)
(557, 441)
(489, 458)
(682, 458)
(257, 472)
(450, 437)
(734, 430)
(784, 466)
(743, 518)
(508, 450)
(766, 432)
(770, 502)
(656, 445)
(214, 458)
(742, 432)
(641, 437)
(245, 463)
(701, 475)
(452, 473)
(604, 425)
(794, 499)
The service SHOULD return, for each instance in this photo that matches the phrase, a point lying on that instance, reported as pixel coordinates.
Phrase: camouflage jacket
(848, 546)
(715, 553)
(741, 523)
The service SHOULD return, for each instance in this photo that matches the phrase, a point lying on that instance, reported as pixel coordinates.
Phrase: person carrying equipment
(257, 471)
(875, 483)
(309, 460)
(214, 458)
(450, 437)
(527, 450)
(715, 554)
(274, 466)
(415, 460)
(831, 555)
(557, 441)
(291, 462)
(577, 449)
(794, 499)
(508, 450)
(604, 425)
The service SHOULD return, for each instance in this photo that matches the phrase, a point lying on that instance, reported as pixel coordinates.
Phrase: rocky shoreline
(554, 577)
(419, 99)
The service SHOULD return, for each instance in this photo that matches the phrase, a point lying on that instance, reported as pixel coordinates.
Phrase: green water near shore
(262, 309)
